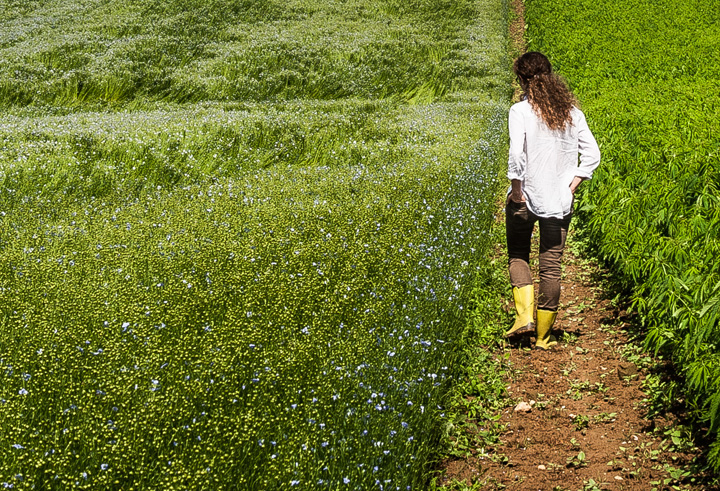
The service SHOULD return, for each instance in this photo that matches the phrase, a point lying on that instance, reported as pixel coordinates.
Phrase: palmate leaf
(705, 321)
(651, 211)
(700, 374)
(713, 303)
(714, 455)
(715, 413)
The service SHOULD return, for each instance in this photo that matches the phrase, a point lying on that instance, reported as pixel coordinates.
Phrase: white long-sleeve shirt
(546, 161)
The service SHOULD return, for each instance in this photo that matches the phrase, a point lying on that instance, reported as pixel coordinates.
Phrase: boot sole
(549, 348)
(529, 329)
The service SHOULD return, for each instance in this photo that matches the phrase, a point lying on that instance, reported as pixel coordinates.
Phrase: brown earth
(586, 426)
(516, 28)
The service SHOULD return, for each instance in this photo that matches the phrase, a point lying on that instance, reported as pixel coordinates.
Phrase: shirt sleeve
(588, 148)
(517, 160)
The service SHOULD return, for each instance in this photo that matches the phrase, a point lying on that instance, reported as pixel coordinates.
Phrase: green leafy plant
(581, 422)
(605, 417)
(244, 244)
(568, 337)
(592, 485)
(577, 461)
(651, 211)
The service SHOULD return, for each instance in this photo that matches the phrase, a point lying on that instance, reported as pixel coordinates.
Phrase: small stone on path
(541, 467)
(524, 407)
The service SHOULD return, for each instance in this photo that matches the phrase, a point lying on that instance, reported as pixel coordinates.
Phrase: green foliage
(592, 485)
(581, 422)
(646, 73)
(455, 485)
(577, 461)
(240, 242)
(110, 53)
(605, 417)
(480, 391)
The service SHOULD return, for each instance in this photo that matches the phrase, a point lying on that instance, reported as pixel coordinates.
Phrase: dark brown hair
(546, 92)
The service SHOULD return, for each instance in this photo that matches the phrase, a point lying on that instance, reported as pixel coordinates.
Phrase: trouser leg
(519, 223)
(518, 228)
(553, 233)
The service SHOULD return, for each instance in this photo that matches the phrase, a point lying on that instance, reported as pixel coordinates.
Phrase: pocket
(517, 210)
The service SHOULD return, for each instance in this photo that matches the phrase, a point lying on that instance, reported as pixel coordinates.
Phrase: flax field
(240, 240)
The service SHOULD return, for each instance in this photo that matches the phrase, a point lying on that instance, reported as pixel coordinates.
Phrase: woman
(547, 132)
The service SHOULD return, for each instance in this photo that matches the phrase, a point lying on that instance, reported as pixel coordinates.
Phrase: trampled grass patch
(89, 52)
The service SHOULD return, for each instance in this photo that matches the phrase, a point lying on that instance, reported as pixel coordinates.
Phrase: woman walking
(547, 133)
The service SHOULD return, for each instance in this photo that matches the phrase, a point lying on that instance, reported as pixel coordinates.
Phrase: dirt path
(584, 426)
(577, 417)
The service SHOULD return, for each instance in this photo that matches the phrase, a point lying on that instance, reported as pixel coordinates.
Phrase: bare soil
(586, 424)
(516, 29)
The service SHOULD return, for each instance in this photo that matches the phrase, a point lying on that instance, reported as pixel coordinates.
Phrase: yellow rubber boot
(524, 306)
(545, 321)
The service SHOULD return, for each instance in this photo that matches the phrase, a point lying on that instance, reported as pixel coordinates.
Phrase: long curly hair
(546, 91)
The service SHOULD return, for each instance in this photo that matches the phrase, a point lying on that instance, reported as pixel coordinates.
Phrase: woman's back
(547, 159)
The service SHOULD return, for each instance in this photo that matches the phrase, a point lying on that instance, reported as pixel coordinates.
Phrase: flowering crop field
(238, 240)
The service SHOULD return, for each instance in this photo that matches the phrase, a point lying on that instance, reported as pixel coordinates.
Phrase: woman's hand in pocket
(516, 198)
(575, 183)
(516, 194)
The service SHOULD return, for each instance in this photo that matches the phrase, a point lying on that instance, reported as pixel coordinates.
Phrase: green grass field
(239, 240)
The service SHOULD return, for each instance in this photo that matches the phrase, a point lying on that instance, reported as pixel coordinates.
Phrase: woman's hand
(516, 194)
(575, 183)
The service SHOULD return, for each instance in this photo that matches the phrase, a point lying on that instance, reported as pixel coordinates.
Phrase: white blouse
(546, 161)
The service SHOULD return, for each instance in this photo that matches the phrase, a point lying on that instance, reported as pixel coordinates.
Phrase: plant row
(646, 73)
